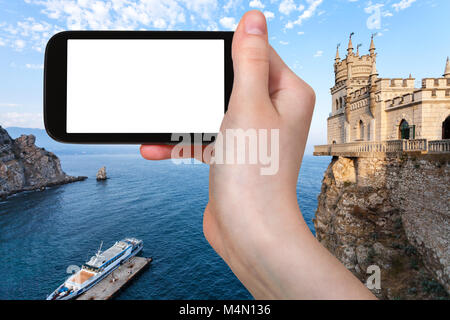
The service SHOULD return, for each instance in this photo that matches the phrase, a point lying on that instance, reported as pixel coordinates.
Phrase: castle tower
(447, 69)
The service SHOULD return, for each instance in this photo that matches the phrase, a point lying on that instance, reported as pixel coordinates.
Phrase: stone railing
(372, 148)
(414, 145)
(439, 146)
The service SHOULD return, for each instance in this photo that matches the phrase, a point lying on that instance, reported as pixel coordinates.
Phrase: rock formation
(101, 174)
(393, 213)
(25, 167)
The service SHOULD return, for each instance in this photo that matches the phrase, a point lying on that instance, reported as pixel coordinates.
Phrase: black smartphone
(136, 86)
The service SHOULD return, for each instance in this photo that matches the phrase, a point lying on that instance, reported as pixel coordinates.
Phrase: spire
(447, 69)
(350, 44)
(372, 45)
(357, 49)
(337, 53)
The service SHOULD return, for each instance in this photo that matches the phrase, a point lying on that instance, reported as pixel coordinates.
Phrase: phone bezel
(55, 84)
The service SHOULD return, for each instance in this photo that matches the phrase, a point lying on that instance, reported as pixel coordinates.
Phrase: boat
(97, 268)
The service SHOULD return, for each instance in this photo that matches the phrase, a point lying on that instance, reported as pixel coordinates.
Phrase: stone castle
(367, 108)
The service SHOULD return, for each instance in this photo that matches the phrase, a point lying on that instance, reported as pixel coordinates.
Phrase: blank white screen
(145, 86)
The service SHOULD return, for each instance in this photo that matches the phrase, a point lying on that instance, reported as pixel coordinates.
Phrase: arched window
(340, 102)
(404, 130)
(337, 104)
(368, 132)
(446, 128)
(361, 130)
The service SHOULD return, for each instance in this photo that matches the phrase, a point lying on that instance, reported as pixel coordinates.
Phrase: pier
(111, 285)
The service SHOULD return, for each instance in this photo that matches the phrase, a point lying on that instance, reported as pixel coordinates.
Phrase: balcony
(375, 148)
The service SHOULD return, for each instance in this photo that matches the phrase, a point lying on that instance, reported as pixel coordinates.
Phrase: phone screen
(144, 85)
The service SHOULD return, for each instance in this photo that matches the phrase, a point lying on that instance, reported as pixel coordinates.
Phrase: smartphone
(132, 87)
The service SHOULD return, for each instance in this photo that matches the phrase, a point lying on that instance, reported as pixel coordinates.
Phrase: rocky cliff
(394, 213)
(25, 167)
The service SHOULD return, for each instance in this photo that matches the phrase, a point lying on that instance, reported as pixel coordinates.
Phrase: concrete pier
(111, 285)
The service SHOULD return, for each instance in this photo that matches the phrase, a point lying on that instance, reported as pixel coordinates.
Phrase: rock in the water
(25, 167)
(101, 174)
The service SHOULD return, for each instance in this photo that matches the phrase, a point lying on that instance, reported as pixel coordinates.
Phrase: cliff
(25, 167)
(393, 213)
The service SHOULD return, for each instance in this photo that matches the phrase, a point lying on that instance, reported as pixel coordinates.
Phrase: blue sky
(413, 37)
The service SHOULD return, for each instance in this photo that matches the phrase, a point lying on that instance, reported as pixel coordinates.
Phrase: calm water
(42, 233)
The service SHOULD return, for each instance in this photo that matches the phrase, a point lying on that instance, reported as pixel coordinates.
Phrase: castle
(367, 108)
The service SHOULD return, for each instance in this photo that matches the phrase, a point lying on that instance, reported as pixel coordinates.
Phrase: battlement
(417, 96)
(433, 83)
(386, 83)
(363, 92)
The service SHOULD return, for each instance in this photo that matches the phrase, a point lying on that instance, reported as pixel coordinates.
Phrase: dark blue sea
(42, 233)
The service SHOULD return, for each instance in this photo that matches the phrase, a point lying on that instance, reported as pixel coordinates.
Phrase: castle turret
(372, 46)
(357, 49)
(447, 69)
(338, 58)
(350, 45)
(374, 72)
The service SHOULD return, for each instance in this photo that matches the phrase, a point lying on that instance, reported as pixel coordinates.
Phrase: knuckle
(253, 54)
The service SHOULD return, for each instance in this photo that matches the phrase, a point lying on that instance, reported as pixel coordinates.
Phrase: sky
(412, 36)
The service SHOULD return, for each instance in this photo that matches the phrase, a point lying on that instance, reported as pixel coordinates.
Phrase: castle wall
(433, 115)
(335, 129)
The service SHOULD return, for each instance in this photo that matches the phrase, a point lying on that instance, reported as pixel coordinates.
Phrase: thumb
(250, 52)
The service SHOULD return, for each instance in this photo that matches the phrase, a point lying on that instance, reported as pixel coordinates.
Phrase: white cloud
(34, 66)
(256, 4)
(403, 4)
(25, 120)
(300, 33)
(269, 15)
(318, 54)
(27, 33)
(306, 14)
(19, 44)
(228, 23)
(110, 15)
(284, 42)
(287, 6)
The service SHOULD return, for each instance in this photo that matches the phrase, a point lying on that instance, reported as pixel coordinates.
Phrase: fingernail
(255, 23)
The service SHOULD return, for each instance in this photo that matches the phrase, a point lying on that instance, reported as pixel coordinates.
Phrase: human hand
(252, 220)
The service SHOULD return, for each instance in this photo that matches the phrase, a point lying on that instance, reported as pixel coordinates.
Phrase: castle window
(361, 130)
(436, 82)
(404, 130)
(447, 93)
(433, 93)
(340, 102)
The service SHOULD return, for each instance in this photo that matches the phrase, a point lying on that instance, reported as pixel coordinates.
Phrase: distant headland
(26, 167)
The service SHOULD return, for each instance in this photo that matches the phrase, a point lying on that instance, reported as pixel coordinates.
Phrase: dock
(111, 285)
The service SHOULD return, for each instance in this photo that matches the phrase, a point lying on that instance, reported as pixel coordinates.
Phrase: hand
(253, 221)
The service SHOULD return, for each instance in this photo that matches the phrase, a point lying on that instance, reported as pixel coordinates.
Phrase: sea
(44, 234)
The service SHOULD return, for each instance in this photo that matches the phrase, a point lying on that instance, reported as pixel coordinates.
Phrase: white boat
(97, 268)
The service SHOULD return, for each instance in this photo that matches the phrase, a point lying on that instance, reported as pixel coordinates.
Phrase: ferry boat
(97, 268)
